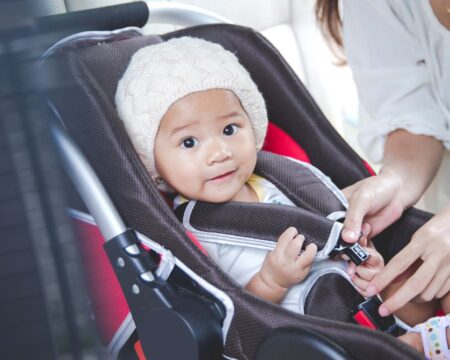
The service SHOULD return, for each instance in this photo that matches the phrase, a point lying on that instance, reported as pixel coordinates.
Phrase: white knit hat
(159, 75)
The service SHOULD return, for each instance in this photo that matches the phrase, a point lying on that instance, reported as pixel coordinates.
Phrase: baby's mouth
(223, 176)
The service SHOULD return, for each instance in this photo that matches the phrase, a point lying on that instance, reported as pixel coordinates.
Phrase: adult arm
(390, 67)
(381, 199)
(410, 163)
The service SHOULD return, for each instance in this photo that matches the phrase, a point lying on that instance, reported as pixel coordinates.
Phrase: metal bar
(88, 185)
(181, 14)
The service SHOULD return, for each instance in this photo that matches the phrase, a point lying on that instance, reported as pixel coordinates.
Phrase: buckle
(366, 314)
(354, 251)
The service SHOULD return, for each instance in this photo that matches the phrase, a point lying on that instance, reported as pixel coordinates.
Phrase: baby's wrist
(272, 283)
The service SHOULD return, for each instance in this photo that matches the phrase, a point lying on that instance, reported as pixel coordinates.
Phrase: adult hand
(431, 244)
(406, 173)
(377, 200)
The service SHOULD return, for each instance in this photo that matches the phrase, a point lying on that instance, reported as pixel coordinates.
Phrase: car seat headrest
(107, 63)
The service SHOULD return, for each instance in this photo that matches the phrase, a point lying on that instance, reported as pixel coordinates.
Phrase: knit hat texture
(159, 75)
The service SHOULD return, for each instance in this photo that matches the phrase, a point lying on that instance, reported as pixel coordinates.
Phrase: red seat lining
(279, 142)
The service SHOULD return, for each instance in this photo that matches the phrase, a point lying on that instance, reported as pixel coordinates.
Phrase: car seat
(81, 88)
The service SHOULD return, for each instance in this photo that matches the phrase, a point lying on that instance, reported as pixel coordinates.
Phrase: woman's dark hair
(330, 21)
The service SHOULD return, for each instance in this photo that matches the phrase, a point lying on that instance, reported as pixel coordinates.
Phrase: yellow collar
(255, 182)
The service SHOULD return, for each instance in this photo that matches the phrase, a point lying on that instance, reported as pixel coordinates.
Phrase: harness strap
(305, 185)
(257, 225)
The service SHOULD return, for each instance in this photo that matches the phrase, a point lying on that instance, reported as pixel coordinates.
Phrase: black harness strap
(299, 183)
(258, 221)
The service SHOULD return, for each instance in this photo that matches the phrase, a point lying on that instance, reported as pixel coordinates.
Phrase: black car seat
(83, 83)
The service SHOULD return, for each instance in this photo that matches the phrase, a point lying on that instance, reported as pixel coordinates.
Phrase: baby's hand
(284, 266)
(362, 274)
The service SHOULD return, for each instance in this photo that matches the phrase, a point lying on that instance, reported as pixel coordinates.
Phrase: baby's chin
(220, 193)
(214, 197)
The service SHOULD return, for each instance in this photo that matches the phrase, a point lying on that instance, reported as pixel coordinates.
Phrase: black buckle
(354, 251)
(367, 315)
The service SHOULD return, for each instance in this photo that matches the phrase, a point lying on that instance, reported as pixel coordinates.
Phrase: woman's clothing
(399, 53)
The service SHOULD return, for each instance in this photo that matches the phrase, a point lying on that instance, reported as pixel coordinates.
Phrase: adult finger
(383, 218)
(349, 190)
(359, 206)
(413, 286)
(396, 266)
(435, 285)
(445, 289)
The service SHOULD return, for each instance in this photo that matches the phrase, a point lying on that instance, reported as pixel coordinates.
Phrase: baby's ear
(162, 185)
(159, 180)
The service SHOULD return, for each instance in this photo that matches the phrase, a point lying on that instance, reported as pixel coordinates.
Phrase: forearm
(414, 160)
(268, 291)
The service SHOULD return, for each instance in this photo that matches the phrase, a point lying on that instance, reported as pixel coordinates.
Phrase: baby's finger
(375, 260)
(306, 258)
(342, 256)
(351, 268)
(285, 239)
(364, 293)
(366, 273)
(362, 241)
(365, 229)
(294, 247)
(360, 283)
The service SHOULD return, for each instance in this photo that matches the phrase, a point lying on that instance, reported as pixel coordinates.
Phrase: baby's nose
(219, 152)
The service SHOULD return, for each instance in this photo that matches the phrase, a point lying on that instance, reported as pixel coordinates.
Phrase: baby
(197, 121)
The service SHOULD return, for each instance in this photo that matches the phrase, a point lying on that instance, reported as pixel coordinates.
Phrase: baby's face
(205, 148)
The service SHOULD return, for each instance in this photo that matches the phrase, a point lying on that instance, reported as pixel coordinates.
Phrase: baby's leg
(431, 338)
(413, 339)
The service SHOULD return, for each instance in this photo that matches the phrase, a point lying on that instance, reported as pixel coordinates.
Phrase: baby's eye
(189, 143)
(230, 129)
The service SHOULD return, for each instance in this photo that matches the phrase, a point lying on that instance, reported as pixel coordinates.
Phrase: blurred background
(44, 307)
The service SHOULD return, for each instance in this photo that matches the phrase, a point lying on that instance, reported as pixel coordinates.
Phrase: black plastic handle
(104, 18)
(164, 313)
